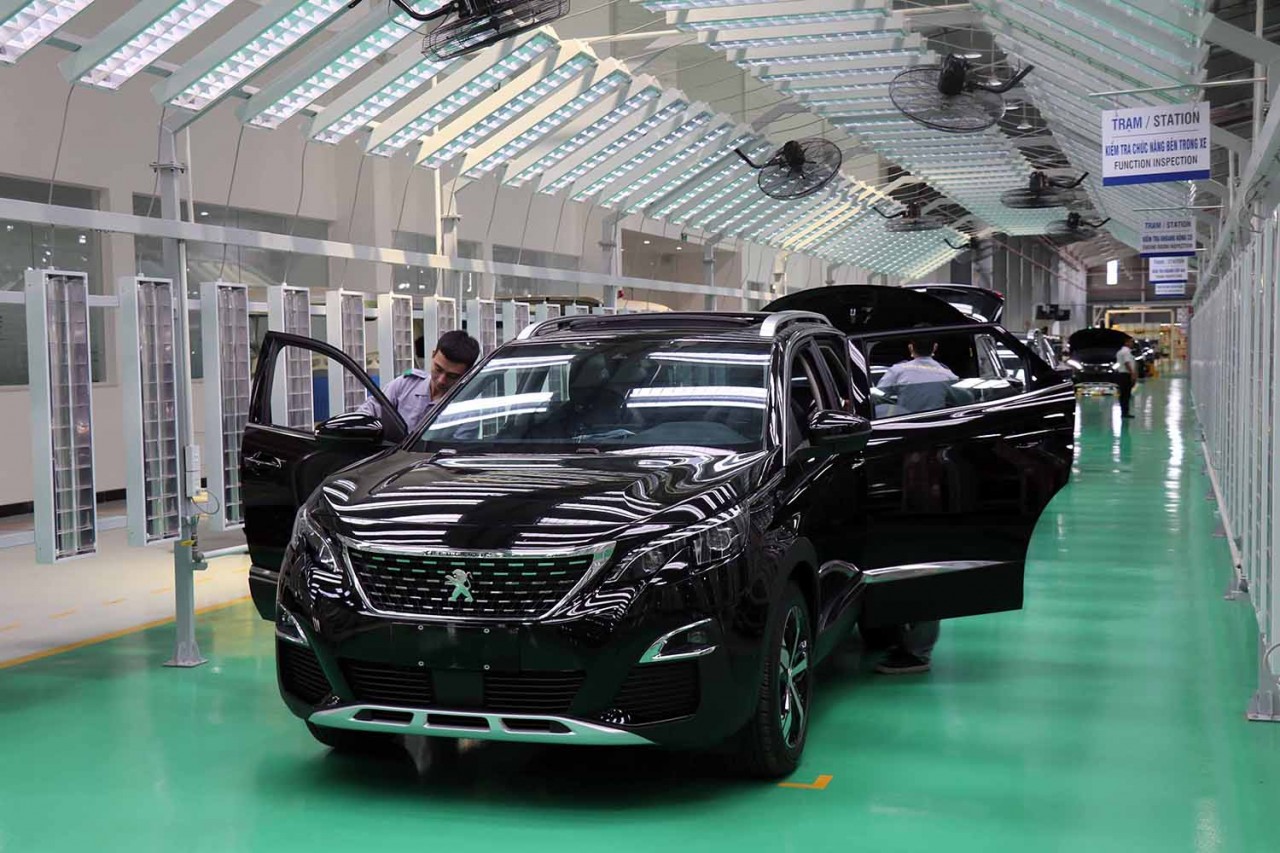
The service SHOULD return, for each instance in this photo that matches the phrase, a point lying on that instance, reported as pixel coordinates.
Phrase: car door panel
(281, 466)
(952, 498)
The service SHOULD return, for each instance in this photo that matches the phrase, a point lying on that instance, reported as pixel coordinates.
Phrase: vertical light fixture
(395, 336)
(515, 316)
(148, 369)
(66, 519)
(26, 23)
(544, 311)
(224, 329)
(136, 39)
(289, 310)
(439, 315)
(1113, 272)
(482, 323)
(344, 322)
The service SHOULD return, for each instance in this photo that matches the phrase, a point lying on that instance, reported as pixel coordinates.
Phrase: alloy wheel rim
(793, 678)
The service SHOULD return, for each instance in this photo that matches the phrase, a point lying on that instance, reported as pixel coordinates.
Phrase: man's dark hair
(459, 347)
(922, 342)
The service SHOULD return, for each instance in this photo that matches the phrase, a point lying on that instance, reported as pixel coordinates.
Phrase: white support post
(187, 558)
(709, 272)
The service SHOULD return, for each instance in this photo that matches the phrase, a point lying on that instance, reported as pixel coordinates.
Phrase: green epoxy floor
(1106, 716)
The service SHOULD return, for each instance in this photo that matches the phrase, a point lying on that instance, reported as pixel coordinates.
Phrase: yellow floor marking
(64, 614)
(819, 784)
(162, 589)
(203, 580)
(112, 601)
(10, 627)
(102, 638)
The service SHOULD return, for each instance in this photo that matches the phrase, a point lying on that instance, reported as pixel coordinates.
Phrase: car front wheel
(775, 737)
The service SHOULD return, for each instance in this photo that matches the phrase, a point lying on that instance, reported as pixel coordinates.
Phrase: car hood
(1095, 346)
(498, 502)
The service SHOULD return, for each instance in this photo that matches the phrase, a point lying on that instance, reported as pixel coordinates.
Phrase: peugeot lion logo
(461, 583)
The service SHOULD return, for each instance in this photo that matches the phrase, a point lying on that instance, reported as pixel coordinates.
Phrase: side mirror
(834, 432)
(351, 427)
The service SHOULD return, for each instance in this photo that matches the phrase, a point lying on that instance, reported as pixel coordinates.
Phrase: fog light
(288, 629)
(691, 641)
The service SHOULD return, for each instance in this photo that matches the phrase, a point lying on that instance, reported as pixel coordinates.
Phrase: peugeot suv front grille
(449, 586)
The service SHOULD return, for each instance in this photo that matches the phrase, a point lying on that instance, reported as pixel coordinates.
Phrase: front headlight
(310, 543)
(1071, 362)
(704, 543)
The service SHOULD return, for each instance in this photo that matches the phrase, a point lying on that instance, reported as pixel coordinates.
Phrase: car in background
(1049, 348)
(639, 529)
(1146, 351)
(1092, 357)
(978, 303)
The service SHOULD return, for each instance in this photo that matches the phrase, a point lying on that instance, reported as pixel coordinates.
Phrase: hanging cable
(226, 206)
(351, 218)
(302, 189)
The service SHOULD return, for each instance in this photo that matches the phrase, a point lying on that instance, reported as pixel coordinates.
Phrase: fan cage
(485, 22)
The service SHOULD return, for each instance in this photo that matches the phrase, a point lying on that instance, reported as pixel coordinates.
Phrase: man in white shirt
(1127, 367)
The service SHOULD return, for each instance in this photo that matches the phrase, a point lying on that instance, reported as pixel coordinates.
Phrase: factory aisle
(1106, 716)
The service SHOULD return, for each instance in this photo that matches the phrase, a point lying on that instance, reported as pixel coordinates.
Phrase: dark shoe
(902, 663)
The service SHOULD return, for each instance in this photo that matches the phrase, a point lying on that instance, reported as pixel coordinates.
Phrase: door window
(806, 395)
(925, 372)
(309, 386)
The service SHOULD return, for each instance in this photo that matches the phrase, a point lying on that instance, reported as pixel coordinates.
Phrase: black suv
(640, 529)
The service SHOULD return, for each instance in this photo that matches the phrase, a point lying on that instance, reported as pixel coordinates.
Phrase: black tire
(352, 742)
(774, 739)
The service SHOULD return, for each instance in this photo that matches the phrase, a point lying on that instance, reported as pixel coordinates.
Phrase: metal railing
(1235, 381)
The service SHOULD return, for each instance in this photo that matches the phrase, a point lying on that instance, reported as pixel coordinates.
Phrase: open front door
(283, 458)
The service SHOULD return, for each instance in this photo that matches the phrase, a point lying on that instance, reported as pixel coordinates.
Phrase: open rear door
(964, 455)
(282, 460)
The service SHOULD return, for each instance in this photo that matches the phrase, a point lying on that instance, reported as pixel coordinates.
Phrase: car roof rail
(692, 320)
(775, 323)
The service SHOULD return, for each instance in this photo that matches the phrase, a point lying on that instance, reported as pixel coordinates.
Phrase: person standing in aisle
(414, 393)
(1127, 366)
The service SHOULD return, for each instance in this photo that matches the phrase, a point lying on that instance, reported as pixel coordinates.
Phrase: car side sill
(474, 725)
(891, 574)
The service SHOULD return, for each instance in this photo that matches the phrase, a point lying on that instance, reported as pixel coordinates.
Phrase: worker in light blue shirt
(920, 384)
(414, 393)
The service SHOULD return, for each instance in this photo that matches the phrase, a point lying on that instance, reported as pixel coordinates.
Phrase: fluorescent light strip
(548, 124)
(704, 163)
(629, 106)
(814, 38)
(297, 24)
(369, 48)
(782, 20)
(511, 110)
(675, 5)
(718, 207)
(378, 103)
(729, 176)
(32, 23)
(714, 199)
(807, 58)
(790, 76)
(481, 86)
(672, 109)
(648, 153)
(666, 165)
(180, 21)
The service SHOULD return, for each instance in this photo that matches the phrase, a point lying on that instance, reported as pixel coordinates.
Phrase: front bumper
(440, 722)
(587, 677)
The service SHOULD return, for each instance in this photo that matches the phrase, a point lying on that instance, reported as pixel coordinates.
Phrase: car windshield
(608, 394)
